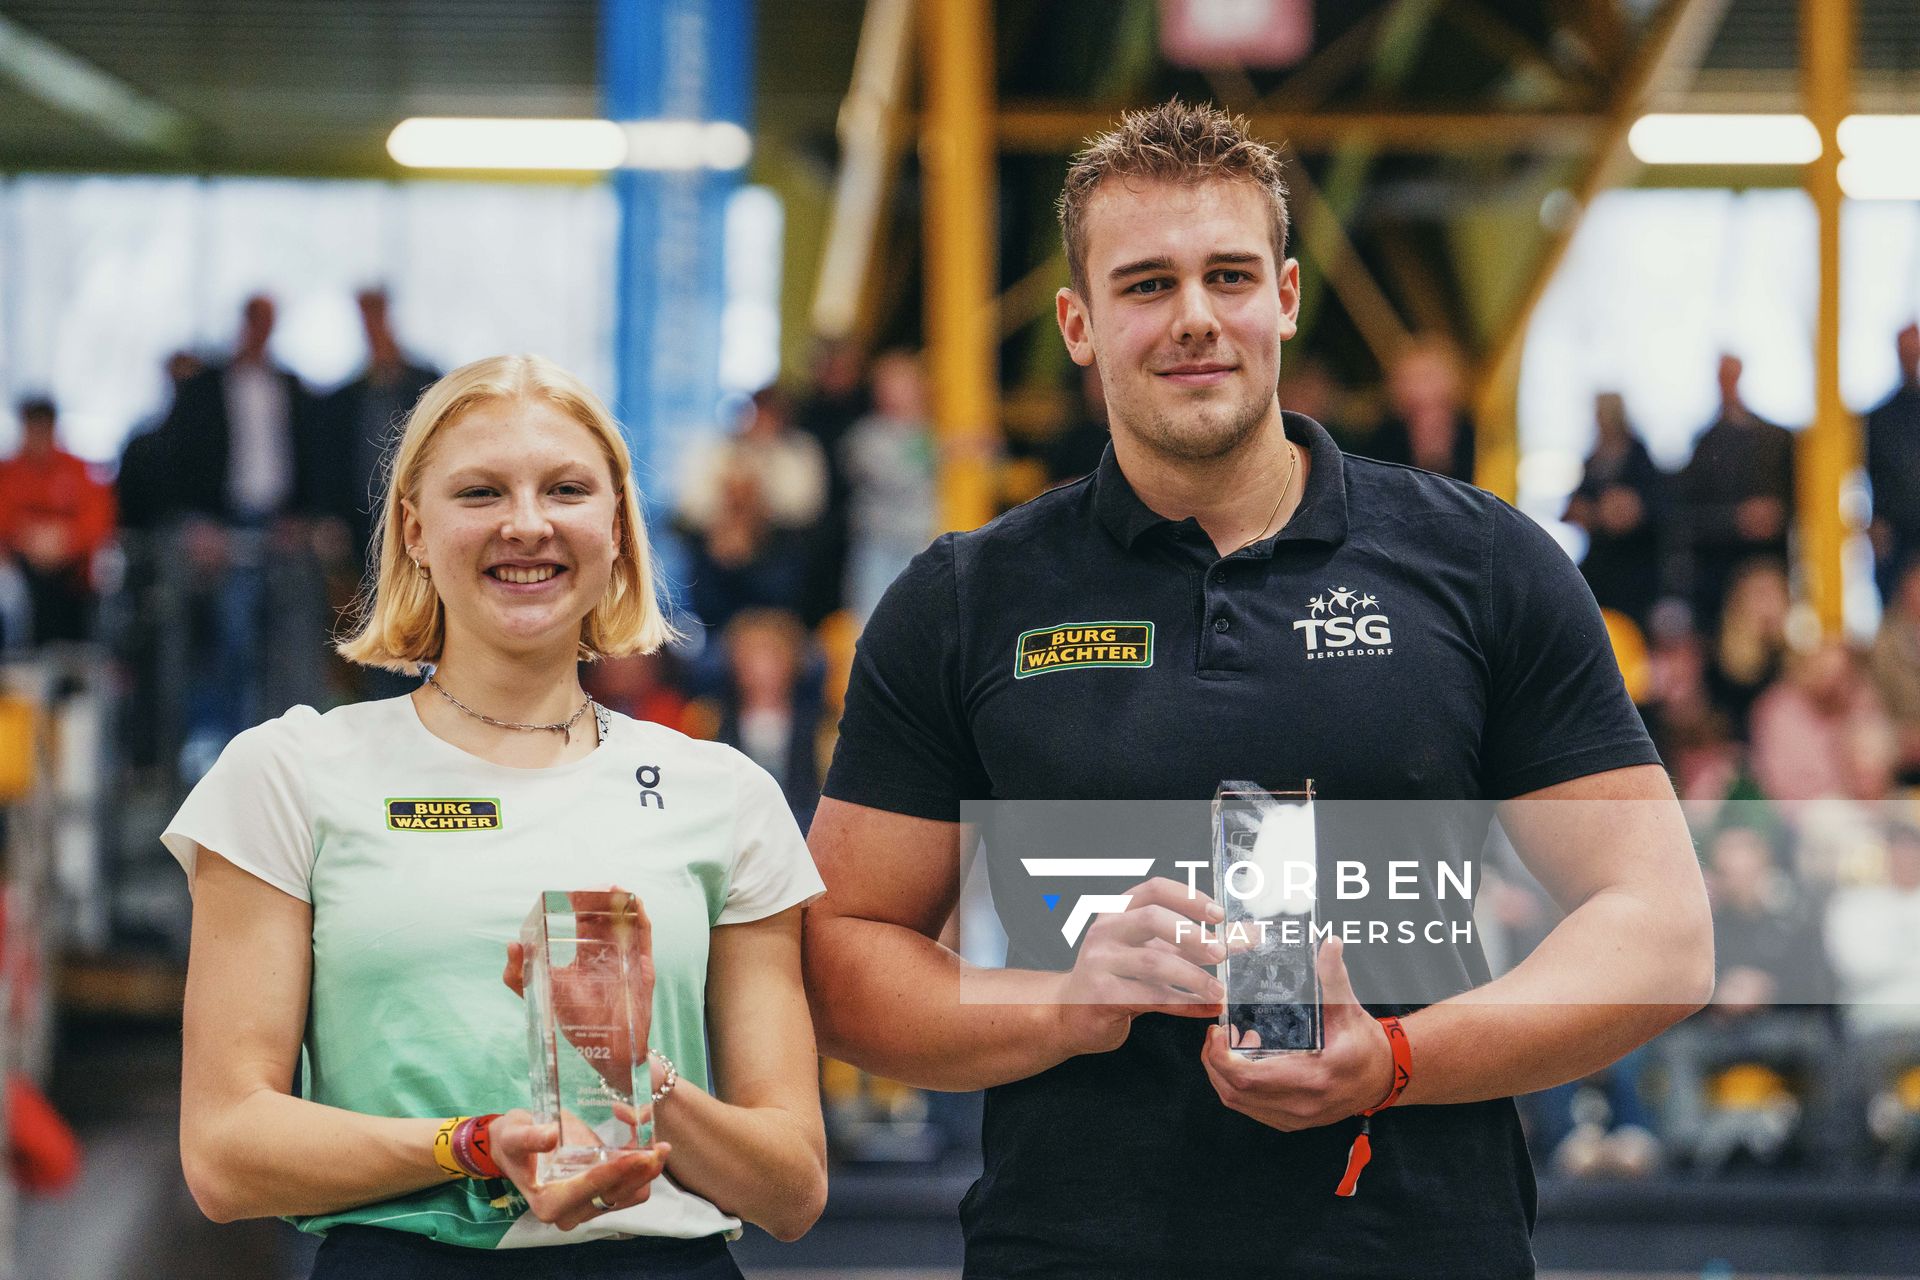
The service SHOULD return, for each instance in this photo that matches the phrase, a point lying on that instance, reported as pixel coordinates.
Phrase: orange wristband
(1402, 1063)
(1362, 1149)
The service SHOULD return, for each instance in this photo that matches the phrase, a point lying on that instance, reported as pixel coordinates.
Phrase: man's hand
(1303, 1091)
(1149, 958)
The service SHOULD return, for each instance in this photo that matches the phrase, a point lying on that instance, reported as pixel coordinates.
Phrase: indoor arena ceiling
(283, 86)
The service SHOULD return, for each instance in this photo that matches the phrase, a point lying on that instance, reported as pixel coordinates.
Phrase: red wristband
(472, 1147)
(1362, 1149)
(480, 1138)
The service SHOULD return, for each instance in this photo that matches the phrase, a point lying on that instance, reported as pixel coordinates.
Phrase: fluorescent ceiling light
(589, 145)
(1888, 137)
(1876, 177)
(686, 144)
(1724, 139)
(424, 143)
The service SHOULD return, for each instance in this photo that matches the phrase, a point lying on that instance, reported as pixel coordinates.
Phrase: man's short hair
(1173, 142)
(37, 409)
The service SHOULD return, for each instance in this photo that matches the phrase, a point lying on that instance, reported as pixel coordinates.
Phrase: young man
(1123, 1138)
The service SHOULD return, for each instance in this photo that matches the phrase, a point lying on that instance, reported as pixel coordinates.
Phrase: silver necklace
(564, 727)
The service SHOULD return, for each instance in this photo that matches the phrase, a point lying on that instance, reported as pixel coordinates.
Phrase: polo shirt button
(1221, 624)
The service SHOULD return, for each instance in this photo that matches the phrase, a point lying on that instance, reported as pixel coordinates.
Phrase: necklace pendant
(566, 735)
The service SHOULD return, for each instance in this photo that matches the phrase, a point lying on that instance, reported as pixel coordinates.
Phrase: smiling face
(515, 515)
(1184, 314)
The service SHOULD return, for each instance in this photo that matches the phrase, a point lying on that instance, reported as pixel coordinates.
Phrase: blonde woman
(344, 1001)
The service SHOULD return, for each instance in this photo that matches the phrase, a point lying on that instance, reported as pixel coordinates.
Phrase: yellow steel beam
(1045, 129)
(1829, 448)
(958, 161)
(1676, 39)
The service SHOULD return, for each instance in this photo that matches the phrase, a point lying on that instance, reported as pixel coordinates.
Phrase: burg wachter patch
(436, 814)
(1083, 644)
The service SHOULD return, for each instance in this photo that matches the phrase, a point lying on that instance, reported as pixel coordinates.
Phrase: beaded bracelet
(673, 1075)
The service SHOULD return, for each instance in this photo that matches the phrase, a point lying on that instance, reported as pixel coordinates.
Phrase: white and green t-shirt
(414, 901)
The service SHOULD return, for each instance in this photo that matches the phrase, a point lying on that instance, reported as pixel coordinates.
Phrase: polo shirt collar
(1320, 517)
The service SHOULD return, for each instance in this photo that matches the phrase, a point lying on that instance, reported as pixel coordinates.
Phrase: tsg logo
(648, 776)
(1345, 624)
(1087, 906)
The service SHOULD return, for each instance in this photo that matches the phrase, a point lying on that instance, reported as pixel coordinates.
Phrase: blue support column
(672, 60)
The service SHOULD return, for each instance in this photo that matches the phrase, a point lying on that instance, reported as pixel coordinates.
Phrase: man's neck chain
(1293, 465)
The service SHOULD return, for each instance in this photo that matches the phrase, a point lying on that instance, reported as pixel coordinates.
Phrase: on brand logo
(648, 776)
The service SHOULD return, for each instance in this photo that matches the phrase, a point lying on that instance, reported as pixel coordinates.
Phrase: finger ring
(602, 1205)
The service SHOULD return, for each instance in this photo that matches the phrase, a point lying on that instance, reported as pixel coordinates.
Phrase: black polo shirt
(1404, 637)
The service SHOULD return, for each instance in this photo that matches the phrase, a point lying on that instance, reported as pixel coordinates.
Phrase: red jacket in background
(58, 490)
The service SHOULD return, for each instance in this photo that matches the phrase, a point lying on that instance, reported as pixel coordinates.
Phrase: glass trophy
(1265, 877)
(587, 1028)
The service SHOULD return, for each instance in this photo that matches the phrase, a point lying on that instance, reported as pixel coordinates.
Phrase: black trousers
(375, 1253)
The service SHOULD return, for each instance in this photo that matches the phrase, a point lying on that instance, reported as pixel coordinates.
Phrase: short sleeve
(1557, 708)
(251, 807)
(905, 745)
(772, 869)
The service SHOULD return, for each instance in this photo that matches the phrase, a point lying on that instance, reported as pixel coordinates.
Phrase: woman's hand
(613, 926)
(620, 1183)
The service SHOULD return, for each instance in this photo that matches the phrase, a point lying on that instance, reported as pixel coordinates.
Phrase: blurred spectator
(242, 442)
(1428, 427)
(1820, 731)
(771, 709)
(363, 418)
(1893, 465)
(1750, 647)
(787, 469)
(144, 488)
(1689, 731)
(1308, 386)
(1077, 450)
(1618, 504)
(837, 398)
(1736, 495)
(643, 685)
(1896, 668)
(890, 463)
(1768, 1019)
(1873, 935)
(1767, 947)
(243, 434)
(744, 502)
(54, 515)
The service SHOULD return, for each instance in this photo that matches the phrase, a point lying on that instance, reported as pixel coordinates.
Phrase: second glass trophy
(1265, 876)
(587, 1027)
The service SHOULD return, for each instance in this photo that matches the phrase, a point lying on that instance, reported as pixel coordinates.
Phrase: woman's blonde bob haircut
(399, 622)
